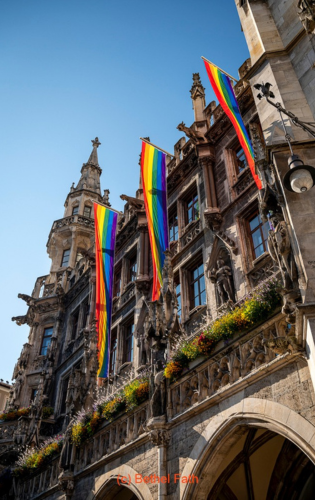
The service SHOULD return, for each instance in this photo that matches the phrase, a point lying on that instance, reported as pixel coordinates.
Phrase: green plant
(255, 308)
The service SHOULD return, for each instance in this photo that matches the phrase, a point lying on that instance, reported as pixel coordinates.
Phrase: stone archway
(227, 431)
(109, 486)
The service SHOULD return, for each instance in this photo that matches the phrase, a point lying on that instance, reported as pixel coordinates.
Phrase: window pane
(75, 210)
(259, 250)
(65, 257)
(87, 212)
(253, 223)
(241, 160)
(257, 238)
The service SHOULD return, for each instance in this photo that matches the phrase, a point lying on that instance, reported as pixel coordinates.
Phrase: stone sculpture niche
(219, 270)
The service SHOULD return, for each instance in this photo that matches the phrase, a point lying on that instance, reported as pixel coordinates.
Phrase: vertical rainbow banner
(222, 87)
(105, 236)
(153, 173)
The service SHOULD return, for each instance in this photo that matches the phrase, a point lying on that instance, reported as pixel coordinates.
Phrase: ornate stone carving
(222, 277)
(281, 345)
(136, 203)
(307, 15)
(160, 437)
(191, 233)
(213, 218)
(158, 399)
(196, 137)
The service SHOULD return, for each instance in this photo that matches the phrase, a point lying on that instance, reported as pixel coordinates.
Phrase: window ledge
(124, 365)
(197, 309)
(260, 258)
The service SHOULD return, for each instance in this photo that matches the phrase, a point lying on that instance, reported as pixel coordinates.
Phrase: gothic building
(239, 422)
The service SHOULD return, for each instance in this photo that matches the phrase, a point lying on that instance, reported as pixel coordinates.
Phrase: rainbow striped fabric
(222, 87)
(105, 236)
(153, 173)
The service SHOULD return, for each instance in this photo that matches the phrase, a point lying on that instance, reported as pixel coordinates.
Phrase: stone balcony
(233, 365)
(112, 439)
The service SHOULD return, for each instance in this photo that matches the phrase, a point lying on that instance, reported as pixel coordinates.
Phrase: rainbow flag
(153, 173)
(105, 236)
(222, 87)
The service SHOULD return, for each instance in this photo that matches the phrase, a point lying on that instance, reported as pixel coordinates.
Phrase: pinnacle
(93, 159)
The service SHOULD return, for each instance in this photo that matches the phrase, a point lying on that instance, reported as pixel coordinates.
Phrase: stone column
(160, 437)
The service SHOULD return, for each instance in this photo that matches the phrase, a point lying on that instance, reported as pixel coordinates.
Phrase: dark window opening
(192, 208)
(117, 284)
(241, 162)
(129, 342)
(113, 351)
(46, 340)
(258, 233)
(75, 210)
(179, 298)
(86, 313)
(173, 227)
(63, 397)
(65, 258)
(197, 286)
(33, 394)
(74, 324)
(133, 268)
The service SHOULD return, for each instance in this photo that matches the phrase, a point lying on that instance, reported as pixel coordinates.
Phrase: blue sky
(70, 71)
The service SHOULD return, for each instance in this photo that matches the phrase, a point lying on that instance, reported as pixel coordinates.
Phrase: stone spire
(93, 160)
(91, 171)
(197, 92)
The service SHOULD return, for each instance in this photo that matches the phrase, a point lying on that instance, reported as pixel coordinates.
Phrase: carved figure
(65, 462)
(280, 250)
(195, 136)
(158, 398)
(307, 15)
(133, 202)
(222, 277)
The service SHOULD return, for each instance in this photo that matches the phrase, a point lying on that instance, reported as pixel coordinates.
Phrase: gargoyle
(133, 202)
(20, 320)
(29, 300)
(195, 136)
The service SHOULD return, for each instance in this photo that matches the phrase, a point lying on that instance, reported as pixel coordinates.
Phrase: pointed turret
(91, 171)
(75, 232)
(197, 92)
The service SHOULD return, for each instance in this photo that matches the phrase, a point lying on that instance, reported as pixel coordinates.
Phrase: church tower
(74, 233)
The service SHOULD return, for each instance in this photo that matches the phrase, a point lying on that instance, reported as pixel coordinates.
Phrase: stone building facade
(241, 422)
(4, 394)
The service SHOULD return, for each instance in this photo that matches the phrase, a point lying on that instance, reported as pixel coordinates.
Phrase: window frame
(113, 352)
(133, 263)
(127, 336)
(75, 210)
(192, 297)
(44, 348)
(90, 211)
(173, 234)
(193, 197)
(250, 232)
(65, 264)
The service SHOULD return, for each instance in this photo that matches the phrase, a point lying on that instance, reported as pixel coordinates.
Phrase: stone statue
(195, 136)
(158, 397)
(65, 462)
(280, 250)
(133, 202)
(222, 277)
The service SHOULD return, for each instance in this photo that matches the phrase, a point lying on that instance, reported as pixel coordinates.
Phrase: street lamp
(300, 177)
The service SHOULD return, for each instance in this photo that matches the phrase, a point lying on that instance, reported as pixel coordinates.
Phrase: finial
(96, 143)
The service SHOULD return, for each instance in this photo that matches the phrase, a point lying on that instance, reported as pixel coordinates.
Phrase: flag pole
(157, 147)
(108, 208)
(227, 74)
